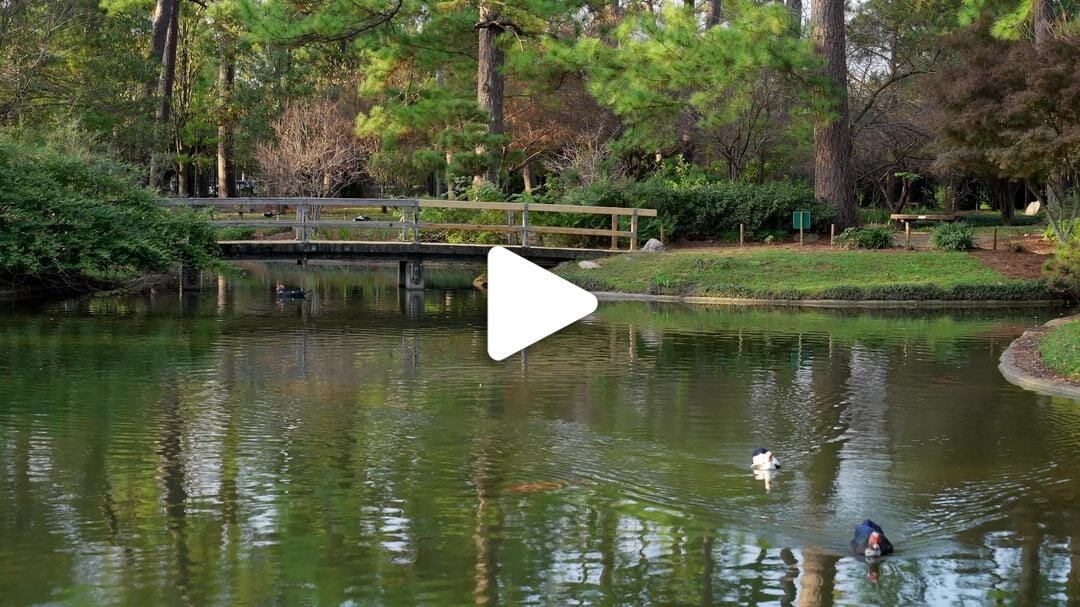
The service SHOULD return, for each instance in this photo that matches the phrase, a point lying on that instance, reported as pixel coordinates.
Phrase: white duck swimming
(764, 460)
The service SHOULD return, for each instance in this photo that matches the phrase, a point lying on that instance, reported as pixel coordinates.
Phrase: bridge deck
(345, 250)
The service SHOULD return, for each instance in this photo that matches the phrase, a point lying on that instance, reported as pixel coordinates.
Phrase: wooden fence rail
(308, 216)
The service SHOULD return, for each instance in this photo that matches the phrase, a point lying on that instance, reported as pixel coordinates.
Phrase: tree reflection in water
(360, 447)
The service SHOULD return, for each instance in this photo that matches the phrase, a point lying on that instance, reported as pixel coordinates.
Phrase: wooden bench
(909, 217)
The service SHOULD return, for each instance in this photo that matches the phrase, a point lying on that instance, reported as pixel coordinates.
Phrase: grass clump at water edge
(1060, 350)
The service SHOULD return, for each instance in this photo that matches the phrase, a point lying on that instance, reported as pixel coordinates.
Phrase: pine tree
(833, 180)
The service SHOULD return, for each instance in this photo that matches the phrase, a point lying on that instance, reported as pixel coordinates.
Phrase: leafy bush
(696, 209)
(874, 237)
(1048, 232)
(1063, 267)
(74, 218)
(235, 233)
(484, 192)
(873, 215)
(994, 219)
(706, 209)
(956, 236)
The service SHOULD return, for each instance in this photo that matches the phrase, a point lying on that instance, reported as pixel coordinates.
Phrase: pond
(358, 447)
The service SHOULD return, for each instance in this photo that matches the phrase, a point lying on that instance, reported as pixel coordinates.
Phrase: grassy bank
(786, 274)
(1060, 350)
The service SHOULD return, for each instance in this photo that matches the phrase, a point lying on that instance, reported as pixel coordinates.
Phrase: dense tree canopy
(452, 98)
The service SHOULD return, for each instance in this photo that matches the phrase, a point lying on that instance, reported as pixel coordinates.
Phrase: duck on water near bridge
(286, 293)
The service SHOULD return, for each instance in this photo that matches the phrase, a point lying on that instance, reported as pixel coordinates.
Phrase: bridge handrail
(363, 203)
(303, 224)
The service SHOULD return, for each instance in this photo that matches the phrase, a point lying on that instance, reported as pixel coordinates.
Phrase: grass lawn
(774, 273)
(1060, 349)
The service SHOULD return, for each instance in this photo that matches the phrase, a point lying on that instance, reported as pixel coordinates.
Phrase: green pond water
(360, 448)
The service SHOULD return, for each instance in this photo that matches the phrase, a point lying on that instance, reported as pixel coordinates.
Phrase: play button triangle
(526, 303)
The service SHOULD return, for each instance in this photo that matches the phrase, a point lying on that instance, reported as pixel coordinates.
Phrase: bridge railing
(307, 214)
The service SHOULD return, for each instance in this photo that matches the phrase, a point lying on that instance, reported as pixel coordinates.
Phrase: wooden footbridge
(392, 230)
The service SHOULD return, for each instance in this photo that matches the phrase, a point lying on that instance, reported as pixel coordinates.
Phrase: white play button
(526, 303)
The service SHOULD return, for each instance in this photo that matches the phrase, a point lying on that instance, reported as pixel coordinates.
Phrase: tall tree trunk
(164, 92)
(163, 11)
(226, 170)
(528, 177)
(716, 11)
(183, 187)
(450, 194)
(490, 83)
(1042, 20)
(1010, 190)
(833, 182)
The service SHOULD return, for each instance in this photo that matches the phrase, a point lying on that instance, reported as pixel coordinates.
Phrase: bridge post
(411, 274)
(190, 279)
(411, 304)
(525, 224)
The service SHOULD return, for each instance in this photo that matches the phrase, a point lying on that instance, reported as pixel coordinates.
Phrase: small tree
(314, 152)
(1013, 112)
(585, 159)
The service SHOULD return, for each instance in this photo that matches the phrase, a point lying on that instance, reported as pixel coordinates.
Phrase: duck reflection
(768, 476)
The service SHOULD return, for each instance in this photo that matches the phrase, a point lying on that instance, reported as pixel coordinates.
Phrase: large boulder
(588, 265)
(652, 246)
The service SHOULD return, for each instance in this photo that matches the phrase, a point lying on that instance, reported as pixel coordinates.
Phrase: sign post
(800, 220)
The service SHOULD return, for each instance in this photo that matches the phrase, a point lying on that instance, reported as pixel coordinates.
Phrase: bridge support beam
(411, 304)
(190, 279)
(411, 274)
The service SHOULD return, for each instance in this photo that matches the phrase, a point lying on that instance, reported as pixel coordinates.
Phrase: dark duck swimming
(870, 540)
(286, 293)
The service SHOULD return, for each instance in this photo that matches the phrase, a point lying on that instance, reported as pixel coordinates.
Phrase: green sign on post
(800, 220)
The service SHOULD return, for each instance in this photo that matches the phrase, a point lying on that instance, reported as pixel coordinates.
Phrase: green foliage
(484, 192)
(235, 233)
(1063, 267)
(994, 219)
(873, 237)
(695, 209)
(1049, 233)
(67, 60)
(956, 236)
(73, 216)
(664, 66)
(1060, 349)
(873, 215)
(1010, 110)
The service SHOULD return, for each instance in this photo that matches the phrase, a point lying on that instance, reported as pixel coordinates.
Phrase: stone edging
(829, 303)
(1021, 364)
